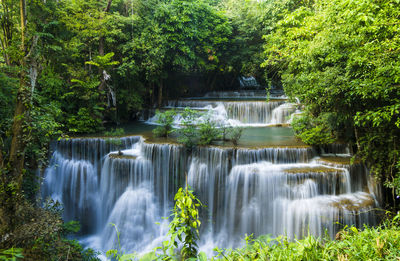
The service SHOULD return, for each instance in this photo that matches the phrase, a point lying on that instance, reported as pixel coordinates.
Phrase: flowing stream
(279, 190)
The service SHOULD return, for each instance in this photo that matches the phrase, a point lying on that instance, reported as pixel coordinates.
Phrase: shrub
(313, 131)
(165, 119)
(208, 132)
(188, 134)
(234, 135)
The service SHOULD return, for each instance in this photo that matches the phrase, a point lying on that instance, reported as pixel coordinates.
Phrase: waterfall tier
(273, 190)
(236, 113)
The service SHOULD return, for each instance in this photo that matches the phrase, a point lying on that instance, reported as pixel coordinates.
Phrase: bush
(115, 132)
(313, 131)
(208, 132)
(197, 128)
(85, 122)
(234, 135)
(165, 119)
(188, 134)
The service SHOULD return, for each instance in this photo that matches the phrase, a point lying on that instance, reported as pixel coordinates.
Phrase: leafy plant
(184, 227)
(115, 132)
(115, 253)
(165, 119)
(208, 132)
(12, 254)
(234, 135)
(312, 131)
(103, 62)
(85, 121)
(188, 134)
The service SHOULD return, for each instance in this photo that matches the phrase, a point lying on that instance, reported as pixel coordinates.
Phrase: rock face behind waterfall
(275, 190)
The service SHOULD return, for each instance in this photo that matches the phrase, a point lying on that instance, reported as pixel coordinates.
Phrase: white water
(236, 113)
(260, 191)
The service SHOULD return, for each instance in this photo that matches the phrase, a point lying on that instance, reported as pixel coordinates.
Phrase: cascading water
(282, 190)
(237, 113)
(261, 191)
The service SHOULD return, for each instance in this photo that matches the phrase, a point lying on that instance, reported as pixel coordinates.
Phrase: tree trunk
(101, 53)
(151, 93)
(11, 178)
(5, 55)
(7, 28)
(1, 159)
(160, 90)
(19, 139)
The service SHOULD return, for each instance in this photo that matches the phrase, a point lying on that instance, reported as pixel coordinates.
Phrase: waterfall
(237, 113)
(274, 190)
(282, 114)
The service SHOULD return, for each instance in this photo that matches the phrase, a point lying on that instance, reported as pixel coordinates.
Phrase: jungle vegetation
(72, 67)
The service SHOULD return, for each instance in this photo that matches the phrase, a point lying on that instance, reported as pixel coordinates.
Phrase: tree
(339, 58)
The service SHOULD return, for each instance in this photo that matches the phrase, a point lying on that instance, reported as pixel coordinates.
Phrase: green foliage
(184, 227)
(12, 254)
(41, 234)
(113, 138)
(165, 121)
(84, 122)
(44, 127)
(382, 243)
(341, 57)
(234, 135)
(8, 87)
(188, 133)
(197, 128)
(103, 62)
(115, 132)
(115, 253)
(71, 227)
(208, 131)
(313, 131)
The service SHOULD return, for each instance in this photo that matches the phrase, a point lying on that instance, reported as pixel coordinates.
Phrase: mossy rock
(319, 169)
(121, 156)
(339, 160)
(351, 205)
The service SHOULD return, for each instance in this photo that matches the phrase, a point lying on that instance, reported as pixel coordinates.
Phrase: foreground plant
(380, 243)
(184, 227)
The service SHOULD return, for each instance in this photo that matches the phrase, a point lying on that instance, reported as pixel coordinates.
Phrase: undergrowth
(380, 243)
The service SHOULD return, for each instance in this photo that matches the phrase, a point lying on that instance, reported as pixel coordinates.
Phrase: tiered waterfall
(282, 190)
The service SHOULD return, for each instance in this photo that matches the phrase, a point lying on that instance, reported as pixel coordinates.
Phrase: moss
(280, 125)
(339, 160)
(121, 156)
(319, 169)
(353, 206)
